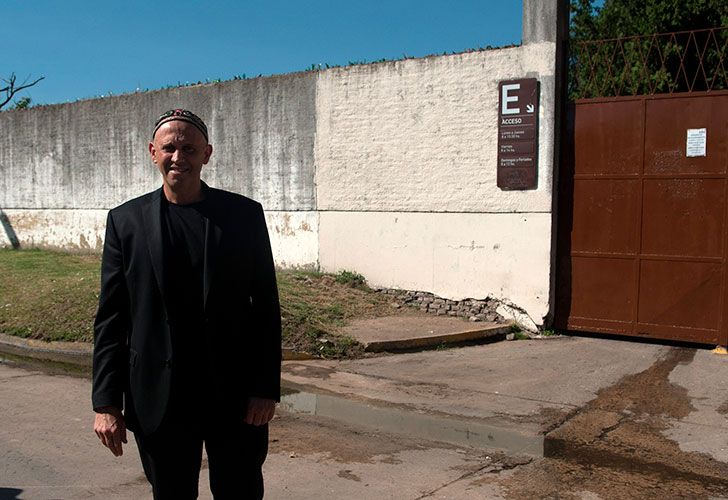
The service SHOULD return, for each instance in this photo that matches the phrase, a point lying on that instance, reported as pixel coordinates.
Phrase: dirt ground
(616, 448)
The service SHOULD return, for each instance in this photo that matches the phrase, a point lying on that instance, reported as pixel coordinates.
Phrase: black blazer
(133, 358)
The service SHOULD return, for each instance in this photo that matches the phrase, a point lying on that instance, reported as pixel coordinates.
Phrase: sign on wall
(517, 134)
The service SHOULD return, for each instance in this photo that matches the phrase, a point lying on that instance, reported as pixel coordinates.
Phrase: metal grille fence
(685, 61)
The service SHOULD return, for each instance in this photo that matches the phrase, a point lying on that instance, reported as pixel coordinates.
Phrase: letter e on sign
(506, 98)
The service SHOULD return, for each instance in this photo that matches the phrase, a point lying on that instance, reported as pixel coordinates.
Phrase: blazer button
(168, 363)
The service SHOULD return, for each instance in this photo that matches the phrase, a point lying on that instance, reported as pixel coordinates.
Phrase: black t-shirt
(184, 254)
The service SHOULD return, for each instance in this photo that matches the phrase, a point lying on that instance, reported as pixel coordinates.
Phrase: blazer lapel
(152, 220)
(213, 235)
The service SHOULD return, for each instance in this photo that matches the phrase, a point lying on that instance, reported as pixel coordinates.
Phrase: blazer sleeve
(266, 309)
(110, 355)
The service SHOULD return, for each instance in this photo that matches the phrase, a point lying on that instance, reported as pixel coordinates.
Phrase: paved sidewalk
(563, 397)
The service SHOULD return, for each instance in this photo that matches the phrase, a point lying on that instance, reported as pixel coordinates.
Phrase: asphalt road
(48, 451)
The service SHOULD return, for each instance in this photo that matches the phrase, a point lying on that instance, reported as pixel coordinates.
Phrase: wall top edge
(264, 78)
(429, 57)
(182, 88)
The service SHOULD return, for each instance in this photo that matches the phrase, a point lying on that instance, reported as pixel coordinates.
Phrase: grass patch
(315, 306)
(53, 296)
(48, 295)
(549, 332)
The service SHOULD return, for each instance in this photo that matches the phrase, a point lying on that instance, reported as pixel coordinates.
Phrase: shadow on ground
(10, 493)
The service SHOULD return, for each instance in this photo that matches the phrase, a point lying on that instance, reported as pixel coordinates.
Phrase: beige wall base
(454, 255)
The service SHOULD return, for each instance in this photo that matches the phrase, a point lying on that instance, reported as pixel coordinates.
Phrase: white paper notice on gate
(697, 138)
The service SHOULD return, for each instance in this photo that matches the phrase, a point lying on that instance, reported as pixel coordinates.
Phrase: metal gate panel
(667, 122)
(680, 300)
(607, 144)
(643, 233)
(683, 217)
(607, 204)
(603, 294)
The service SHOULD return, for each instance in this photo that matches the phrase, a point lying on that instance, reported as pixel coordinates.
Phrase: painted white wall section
(293, 235)
(294, 239)
(75, 230)
(452, 255)
(421, 134)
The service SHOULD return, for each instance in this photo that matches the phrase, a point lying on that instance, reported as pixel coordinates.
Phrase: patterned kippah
(183, 115)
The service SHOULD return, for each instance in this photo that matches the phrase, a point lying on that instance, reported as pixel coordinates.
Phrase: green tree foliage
(638, 52)
(22, 103)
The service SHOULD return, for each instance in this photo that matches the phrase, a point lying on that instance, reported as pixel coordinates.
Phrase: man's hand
(260, 411)
(109, 426)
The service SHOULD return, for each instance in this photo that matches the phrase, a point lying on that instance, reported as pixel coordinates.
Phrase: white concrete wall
(75, 230)
(293, 235)
(294, 239)
(405, 158)
(93, 154)
(63, 166)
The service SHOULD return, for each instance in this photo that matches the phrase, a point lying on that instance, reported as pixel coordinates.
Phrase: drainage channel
(411, 423)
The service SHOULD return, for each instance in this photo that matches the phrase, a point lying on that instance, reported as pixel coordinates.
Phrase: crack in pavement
(508, 463)
(605, 431)
(14, 377)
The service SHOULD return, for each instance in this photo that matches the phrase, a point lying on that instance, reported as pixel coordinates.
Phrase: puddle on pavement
(415, 424)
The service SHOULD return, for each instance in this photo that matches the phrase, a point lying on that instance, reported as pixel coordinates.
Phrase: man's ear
(208, 153)
(152, 151)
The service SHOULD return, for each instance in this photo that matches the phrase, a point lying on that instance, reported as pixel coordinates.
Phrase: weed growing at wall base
(351, 278)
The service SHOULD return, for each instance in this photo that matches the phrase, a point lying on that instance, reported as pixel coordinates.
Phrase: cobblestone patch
(473, 309)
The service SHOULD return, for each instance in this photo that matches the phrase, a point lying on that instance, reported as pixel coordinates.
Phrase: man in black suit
(187, 335)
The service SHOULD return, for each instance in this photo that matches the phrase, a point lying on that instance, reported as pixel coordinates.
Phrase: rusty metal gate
(643, 217)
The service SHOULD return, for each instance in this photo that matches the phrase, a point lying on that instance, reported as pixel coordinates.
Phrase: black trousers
(172, 457)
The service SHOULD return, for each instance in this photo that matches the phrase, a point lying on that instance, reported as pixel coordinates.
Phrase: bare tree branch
(11, 88)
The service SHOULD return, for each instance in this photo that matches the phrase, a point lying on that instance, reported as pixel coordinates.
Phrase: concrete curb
(72, 353)
(436, 340)
(79, 353)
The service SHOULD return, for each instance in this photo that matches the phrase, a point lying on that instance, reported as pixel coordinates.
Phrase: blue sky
(90, 48)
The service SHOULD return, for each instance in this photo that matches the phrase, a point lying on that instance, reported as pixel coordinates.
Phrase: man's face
(179, 150)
